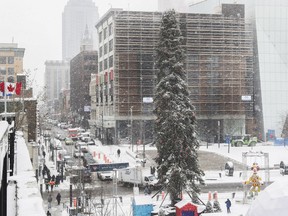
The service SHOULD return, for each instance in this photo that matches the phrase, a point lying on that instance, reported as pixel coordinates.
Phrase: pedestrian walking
(53, 177)
(42, 148)
(49, 201)
(52, 183)
(147, 190)
(44, 154)
(57, 181)
(118, 152)
(43, 172)
(48, 213)
(58, 198)
(228, 206)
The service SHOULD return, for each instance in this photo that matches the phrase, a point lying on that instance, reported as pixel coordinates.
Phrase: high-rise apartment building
(270, 24)
(219, 65)
(57, 78)
(11, 61)
(76, 16)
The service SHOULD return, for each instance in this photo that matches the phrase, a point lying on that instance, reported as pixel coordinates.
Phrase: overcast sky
(36, 25)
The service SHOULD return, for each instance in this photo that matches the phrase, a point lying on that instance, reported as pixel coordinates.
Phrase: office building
(11, 61)
(57, 78)
(76, 16)
(219, 65)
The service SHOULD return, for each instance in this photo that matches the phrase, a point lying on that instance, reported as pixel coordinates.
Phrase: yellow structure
(255, 181)
(11, 61)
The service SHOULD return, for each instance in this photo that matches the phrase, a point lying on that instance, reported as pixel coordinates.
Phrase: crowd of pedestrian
(50, 181)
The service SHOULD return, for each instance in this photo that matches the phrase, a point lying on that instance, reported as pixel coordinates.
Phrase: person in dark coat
(57, 181)
(44, 154)
(48, 174)
(47, 186)
(43, 173)
(58, 198)
(118, 152)
(147, 190)
(48, 213)
(49, 201)
(228, 206)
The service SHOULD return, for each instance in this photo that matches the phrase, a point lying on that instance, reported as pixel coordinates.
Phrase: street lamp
(218, 134)
(102, 127)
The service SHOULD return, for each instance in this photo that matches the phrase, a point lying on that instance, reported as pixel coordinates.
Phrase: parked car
(57, 144)
(78, 144)
(82, 146)
(86, 139)
(283, 168)
(60, 137)
(78, 154)
(91, 142)
(84, 136)
(105, 175)
(67, 158)
(245, 140)
(69, 141)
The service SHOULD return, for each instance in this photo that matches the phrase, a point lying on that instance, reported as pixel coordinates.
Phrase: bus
(73, 133)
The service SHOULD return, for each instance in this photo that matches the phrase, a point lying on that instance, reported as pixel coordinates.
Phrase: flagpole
(5, 104)
(5, 98)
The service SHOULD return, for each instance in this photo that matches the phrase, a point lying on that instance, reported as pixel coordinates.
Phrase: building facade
(76, 16)
(11, 61)
(81, 68)
(269, 21)
(57, 78)
(219, 65)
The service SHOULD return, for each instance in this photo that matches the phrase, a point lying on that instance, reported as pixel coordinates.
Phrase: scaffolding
(219, 65)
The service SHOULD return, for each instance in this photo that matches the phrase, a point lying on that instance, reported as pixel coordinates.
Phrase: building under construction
(219, 65)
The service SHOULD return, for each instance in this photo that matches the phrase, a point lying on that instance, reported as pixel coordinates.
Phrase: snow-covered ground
(30, 201)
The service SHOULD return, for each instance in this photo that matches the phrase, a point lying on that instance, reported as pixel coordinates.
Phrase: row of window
(100, 100)
(6, 59)
(103, 50)
(105, 33)
(3, 71)
(108, 62)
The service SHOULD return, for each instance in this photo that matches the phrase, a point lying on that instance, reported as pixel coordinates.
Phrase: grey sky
(36, 26)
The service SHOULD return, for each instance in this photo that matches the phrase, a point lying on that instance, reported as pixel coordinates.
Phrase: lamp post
(102, 127)
(131, 128)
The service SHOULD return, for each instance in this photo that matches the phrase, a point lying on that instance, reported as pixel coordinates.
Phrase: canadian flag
(10, 88)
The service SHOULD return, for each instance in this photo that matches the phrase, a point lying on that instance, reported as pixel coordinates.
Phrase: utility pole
(115, 192)
(131, 128)
(141, 119)
(218, 134)
(102, 128)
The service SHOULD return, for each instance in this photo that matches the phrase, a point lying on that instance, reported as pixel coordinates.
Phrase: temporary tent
(271, 201)
(142, 206)
(187, 208)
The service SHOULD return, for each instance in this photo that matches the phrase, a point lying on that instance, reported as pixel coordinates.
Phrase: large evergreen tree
(176, 143)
